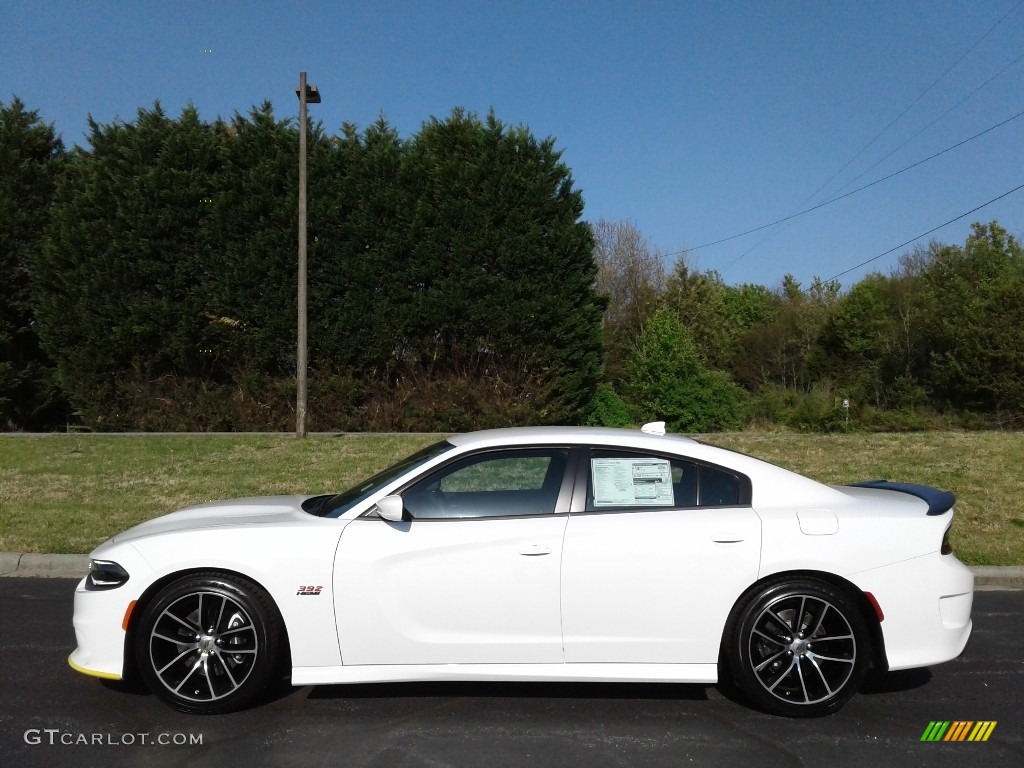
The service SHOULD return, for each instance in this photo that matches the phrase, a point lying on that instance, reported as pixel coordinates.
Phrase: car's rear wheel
(798, 647)
(208, 643)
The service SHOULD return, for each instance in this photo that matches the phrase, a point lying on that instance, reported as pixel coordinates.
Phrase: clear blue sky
(694, 120)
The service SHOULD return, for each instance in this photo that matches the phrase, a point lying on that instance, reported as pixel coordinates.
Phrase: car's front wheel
(797, 647)
(208, 643)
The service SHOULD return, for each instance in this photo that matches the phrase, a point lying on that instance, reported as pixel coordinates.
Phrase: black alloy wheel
(208, 643)
(797, 647)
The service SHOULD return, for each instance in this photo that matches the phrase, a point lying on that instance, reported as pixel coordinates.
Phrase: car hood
(263, 510)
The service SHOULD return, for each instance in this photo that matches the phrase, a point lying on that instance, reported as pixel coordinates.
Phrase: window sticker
(632, 482)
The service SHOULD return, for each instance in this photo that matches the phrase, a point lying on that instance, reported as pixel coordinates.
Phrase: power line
(933, 122)
(925, 234)
(870, 143)
(859, 189)
(924, 93)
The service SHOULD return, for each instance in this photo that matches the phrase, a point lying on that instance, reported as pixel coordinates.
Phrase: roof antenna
(654, 428)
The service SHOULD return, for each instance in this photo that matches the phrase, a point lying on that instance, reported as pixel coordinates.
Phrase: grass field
(68, 493)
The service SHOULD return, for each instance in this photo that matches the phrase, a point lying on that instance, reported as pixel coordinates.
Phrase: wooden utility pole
(311, 95)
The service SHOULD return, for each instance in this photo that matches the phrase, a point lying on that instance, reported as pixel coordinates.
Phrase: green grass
(68, 493)
(983, 469)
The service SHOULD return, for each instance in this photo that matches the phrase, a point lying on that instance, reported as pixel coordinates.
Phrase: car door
(470, 575)
(656, 552)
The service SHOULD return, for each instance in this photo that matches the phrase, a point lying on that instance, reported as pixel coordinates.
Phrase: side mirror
(391, 508)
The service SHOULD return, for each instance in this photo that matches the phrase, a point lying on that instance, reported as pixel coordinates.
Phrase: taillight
(946, 548)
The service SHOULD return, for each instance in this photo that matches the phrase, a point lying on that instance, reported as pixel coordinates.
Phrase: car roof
(522, 435)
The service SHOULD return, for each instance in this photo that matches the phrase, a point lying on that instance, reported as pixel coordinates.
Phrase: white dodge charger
(537, 554)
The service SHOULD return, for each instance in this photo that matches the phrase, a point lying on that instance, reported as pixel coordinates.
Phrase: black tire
(208, 643)
(797, 647)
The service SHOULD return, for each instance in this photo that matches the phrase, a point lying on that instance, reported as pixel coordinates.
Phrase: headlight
(105, 574)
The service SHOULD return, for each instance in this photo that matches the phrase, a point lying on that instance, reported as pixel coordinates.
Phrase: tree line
(451, 278)
(938, 342)
(149, 283)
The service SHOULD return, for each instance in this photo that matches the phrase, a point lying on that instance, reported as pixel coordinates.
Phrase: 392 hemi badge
(309, 591)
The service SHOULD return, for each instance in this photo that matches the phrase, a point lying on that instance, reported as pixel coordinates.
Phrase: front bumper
(100, 618)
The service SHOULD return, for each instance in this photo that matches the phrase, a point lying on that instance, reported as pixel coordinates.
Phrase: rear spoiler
(939, 502)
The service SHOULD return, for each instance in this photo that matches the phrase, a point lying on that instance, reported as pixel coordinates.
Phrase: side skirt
(540, 673)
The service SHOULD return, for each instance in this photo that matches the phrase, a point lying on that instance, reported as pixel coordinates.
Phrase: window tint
(495, 484)
(718, 488)
(336, 506)
(514, 473)
(684, 483)
(623, 479)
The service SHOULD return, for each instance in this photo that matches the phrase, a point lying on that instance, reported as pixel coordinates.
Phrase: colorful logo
(958, 730)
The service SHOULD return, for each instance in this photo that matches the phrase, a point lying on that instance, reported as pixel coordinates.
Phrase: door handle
(727, 538)
(534, 550)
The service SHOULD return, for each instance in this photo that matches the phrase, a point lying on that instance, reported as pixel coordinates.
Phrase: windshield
(336, 506)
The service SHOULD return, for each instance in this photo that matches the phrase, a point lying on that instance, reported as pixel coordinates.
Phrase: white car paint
(635, 584)
(450, 591)
(617, 594)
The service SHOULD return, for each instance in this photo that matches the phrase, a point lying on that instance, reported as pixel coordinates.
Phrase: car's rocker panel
(535, 673)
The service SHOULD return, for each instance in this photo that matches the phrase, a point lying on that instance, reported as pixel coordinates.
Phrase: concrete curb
(45, 566)
(998, 576)
(9, 562)
(76, 566)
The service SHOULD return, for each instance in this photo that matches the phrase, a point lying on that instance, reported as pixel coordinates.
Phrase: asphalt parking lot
(52, 716)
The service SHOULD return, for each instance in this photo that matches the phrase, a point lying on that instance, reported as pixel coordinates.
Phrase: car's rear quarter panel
(884, 543)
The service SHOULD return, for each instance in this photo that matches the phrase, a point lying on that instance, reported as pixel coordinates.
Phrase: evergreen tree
(117, 286)
(248, 278)
(361, 209)
(496, 277)
(168, 281)
(30, 160)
